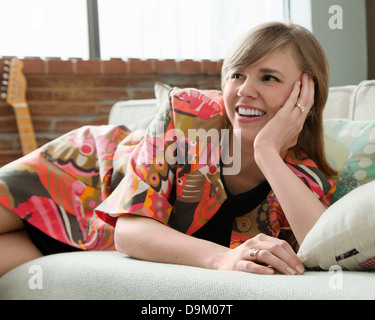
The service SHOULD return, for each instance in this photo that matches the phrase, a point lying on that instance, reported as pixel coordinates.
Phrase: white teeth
(250, 112)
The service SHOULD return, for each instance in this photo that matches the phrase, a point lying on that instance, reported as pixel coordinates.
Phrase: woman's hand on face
(282, 131)
(271, 254)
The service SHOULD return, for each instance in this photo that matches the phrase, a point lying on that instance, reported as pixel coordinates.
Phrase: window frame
(93, 29)
(93, 26)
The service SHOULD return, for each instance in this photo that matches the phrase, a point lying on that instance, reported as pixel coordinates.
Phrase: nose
(248, 89)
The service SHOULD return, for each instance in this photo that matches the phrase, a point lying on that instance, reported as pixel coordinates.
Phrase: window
(160, 29)
(43, 28)
(179, 29)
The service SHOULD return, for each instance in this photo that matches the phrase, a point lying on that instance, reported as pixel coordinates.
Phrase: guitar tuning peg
(7, 62)
(5, 76)
(6, 68)
(4, 82)
(3, 95)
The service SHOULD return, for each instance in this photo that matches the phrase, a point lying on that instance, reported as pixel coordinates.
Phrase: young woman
(171, 197)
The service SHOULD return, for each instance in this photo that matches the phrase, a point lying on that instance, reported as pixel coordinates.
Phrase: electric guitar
(13, 90)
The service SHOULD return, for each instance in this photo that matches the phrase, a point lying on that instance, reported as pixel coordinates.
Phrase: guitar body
(14, 83)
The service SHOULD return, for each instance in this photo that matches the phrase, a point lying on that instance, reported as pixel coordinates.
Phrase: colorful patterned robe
(75, 187)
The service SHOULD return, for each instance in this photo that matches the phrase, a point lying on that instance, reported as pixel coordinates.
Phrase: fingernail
(270, 271)
(291, 271)
(300, 270)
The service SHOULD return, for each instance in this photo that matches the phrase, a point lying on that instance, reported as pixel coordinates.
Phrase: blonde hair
(269, 38)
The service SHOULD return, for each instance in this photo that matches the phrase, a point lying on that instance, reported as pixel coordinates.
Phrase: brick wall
(66, 94)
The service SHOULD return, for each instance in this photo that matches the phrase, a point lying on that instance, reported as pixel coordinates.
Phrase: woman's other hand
(263, 255)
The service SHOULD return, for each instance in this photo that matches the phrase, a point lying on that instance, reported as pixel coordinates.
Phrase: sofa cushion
(339, 102)
(351, 102)
(363, 101)
(345, 234)
(350, 148)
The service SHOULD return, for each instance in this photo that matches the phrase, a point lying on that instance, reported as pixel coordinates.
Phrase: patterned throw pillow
(344, 236)
(350, 147)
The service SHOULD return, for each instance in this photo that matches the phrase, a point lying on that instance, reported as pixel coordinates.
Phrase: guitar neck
(15, 86)
(25, 127)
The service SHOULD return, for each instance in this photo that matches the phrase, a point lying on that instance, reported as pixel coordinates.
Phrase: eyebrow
(272, 71)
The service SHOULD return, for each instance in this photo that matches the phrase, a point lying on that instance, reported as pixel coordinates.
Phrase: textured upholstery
(111, 275)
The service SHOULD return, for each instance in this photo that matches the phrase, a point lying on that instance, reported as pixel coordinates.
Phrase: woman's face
(254, 94)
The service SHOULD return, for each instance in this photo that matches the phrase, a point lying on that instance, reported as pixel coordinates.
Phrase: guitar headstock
(13, 83)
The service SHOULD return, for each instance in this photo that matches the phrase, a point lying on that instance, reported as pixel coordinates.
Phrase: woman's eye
(237, 76)
(270, 78)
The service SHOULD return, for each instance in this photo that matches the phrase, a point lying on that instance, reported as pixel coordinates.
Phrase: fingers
(257, 268)
(306, 97)
(302, 94)
(293, 97)
(274, 254)
(280, 260)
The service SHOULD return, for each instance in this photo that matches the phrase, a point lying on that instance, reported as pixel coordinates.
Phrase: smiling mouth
(249, 112)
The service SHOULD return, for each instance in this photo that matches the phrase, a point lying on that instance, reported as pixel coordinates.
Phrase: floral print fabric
(75, 187)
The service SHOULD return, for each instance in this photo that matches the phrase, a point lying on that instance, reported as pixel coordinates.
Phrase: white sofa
(111, 275)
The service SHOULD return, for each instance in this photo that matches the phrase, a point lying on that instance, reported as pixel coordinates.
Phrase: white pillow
(344, 235)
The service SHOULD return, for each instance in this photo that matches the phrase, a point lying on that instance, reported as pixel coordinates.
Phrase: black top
(219, 228)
